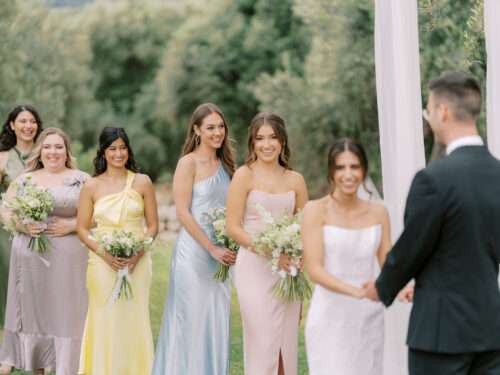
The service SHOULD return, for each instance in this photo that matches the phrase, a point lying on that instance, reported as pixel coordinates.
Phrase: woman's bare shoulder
(316, 207)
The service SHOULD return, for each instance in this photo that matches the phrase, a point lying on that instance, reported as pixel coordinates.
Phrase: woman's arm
(405, 294)
(182, 188)
(6, 213)
(301, 193)
(312, 240)
(61, 226)
(236, 201)
(4, 155)
(150, 208)
(85, 214)
(150, 214)
(385, 242)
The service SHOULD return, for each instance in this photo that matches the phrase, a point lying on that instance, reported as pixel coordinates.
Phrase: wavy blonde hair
(34, 161)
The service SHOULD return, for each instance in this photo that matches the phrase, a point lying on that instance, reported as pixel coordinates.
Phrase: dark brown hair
(279, 128)
(7, 136)
(225, 152)
(108, 135)
(340, 146)
(462, 91)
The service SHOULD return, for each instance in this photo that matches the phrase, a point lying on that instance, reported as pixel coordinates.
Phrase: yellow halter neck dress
(117, 337)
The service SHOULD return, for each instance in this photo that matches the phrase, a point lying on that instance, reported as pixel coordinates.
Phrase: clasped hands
(55, 227)
(223, 255)
(117, 263)
(370, 291)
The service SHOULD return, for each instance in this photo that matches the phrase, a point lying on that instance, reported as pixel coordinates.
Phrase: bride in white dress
(344, 236)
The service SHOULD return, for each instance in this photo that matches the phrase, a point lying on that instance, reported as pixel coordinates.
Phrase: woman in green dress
(17, 137)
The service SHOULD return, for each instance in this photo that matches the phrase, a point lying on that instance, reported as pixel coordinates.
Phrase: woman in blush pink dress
(270, 325)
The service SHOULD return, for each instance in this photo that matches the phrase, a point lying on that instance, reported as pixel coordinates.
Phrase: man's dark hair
(462, 92)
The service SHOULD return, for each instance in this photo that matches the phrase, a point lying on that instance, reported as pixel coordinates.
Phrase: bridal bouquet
(216, 217)
(32, 205)
(283, 237)
(123, 244)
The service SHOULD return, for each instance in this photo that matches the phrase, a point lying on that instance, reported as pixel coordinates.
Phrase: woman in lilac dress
(47, 298)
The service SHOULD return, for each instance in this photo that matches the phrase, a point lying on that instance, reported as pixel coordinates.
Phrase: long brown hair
(225, 153)
(108, 135)
(8, 136)
(279, 128)
(34, 162)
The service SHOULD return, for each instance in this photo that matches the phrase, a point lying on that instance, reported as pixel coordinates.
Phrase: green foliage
(29, 64)
(217, 54)
(145, 65)
(128, 41)
(336, 96)
(84, 159)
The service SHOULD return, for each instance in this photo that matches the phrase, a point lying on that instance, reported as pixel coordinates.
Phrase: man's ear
(444, 112)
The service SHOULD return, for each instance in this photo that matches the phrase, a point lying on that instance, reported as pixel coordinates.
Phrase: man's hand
(406, 294)
(370, 291)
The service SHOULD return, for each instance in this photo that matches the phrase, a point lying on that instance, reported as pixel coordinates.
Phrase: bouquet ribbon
(123, 280)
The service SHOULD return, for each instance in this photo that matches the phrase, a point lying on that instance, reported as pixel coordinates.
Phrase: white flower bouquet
(283, 237)
(216, 217)
(32, 205)
(122, 244)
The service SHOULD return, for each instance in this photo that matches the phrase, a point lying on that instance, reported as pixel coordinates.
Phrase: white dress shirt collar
(472, 140)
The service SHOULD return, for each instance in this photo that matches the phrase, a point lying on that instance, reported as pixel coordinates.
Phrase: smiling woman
(18, 135)
(198, 307)
(47, 300)
(343, 236)
(270, 325)
(117, 337)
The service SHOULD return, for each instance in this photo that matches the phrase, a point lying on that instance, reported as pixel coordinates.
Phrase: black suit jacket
(451, 246)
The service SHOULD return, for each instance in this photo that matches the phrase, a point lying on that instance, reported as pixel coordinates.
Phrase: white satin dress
(344, 335)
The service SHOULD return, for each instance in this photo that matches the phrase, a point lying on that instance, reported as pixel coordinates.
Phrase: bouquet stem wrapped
(282, 237)
(216, 217)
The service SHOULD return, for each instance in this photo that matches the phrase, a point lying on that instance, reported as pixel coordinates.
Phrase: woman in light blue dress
(195, 332)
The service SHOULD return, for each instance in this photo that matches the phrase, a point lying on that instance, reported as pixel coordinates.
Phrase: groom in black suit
(451, 244)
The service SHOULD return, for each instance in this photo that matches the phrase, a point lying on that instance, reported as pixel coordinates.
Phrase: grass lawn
(161, 268)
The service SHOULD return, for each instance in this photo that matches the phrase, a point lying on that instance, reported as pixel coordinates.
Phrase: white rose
(33, 203)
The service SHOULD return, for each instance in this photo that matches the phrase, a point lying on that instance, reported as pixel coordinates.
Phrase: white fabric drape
(401, 138)
(492, 35)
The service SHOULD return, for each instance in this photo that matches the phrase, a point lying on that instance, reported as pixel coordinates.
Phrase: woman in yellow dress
(117, 337)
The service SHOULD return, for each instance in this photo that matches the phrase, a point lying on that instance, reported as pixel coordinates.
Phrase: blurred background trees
(145, 65)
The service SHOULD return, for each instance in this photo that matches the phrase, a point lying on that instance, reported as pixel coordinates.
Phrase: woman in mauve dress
(47, 298)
